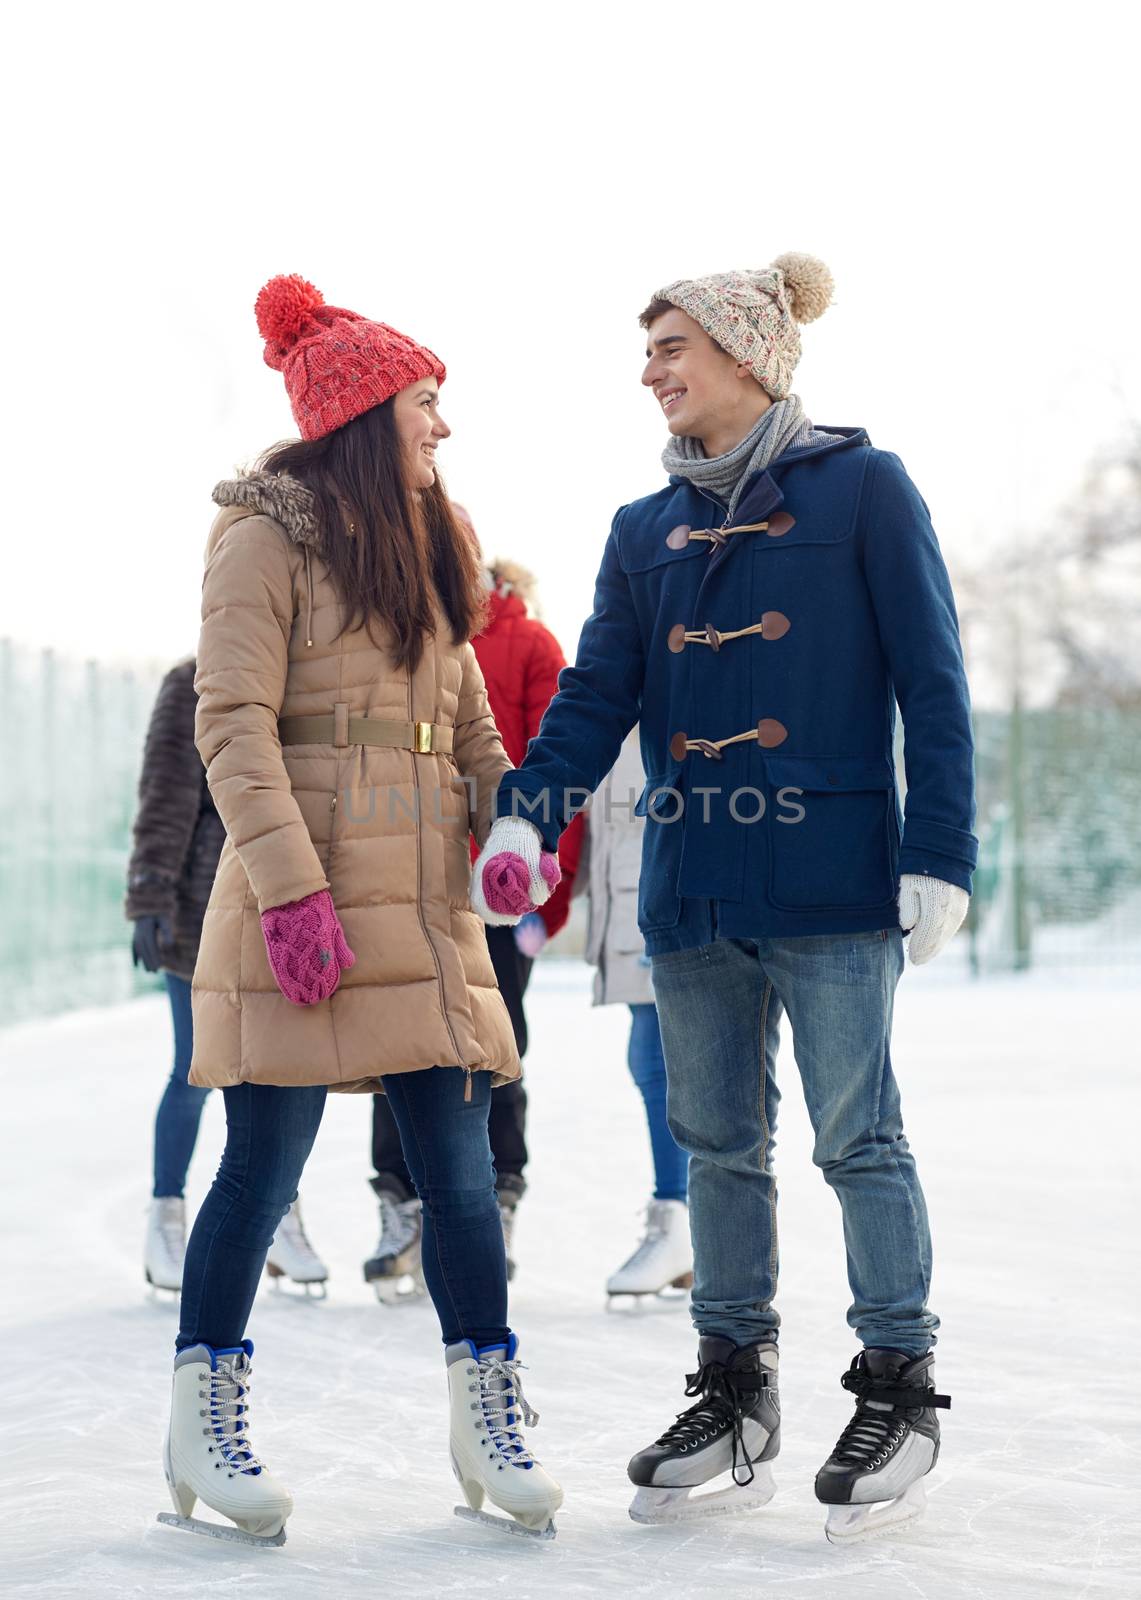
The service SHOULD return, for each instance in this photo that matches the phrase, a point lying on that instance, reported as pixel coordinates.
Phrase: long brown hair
(406, 553)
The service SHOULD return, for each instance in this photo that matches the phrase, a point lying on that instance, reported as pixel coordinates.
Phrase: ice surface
(1021, 1098)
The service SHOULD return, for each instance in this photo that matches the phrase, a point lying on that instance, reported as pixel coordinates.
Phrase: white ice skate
(662, 1262)
(731, 1434)
(394, 1267)
(292, 1256)
(874, 1479)
(489, 1454)
(208, 1455)
(165, 1244)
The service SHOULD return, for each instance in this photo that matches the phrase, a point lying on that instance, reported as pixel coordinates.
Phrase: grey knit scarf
(783, 427)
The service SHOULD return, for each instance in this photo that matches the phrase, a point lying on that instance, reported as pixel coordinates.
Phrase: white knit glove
(933, 910)
(513, 874)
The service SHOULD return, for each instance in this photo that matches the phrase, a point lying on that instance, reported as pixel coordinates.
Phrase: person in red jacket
(521, 661)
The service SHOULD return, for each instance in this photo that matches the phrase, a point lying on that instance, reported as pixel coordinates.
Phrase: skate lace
(227, 1406)
(501, 1397)
(885, 1410)
(171, 1231)
(871, 1436)
(722, 1405)
(399, 1225)
(293, 1228)
(652, 1241)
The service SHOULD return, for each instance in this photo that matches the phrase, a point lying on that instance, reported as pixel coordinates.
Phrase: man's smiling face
(697, 384)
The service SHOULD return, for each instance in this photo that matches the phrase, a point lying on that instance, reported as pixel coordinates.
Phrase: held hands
(932, 910)
(307, 948)
(513, 874)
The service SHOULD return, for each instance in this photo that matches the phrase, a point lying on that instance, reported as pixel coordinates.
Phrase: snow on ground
(1021, 1098)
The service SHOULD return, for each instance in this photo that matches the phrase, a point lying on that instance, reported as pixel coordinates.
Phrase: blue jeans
(180, 1109)
(648, 1070)
(720, 1008)
(448, 1152)
(269, 1134)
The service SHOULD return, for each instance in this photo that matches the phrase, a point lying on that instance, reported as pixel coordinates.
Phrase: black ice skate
(873, 1480)
(734, 1428)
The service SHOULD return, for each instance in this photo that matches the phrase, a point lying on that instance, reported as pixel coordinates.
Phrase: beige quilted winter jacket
(385, 830)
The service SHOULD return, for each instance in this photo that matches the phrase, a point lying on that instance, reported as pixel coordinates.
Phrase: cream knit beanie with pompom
(754, 315)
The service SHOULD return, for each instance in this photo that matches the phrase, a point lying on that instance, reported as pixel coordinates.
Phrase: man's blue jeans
(269, 1133)
(720, 1008)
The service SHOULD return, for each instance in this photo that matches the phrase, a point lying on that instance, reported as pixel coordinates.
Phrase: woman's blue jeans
(269, 1133)
(648, 1069)
(180, 1109)
(720, 1008)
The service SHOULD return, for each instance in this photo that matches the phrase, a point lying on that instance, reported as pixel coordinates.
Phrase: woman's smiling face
(420, 427)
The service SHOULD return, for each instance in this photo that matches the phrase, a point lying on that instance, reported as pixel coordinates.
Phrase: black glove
(150, 934)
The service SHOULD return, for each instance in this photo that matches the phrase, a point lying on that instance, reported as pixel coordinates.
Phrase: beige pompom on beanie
(755, 315)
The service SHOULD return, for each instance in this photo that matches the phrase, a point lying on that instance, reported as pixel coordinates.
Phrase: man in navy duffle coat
(760, 618)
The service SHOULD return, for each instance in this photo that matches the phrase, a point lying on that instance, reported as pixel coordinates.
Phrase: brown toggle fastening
(773, 625)
(683, 534)
(768, 734)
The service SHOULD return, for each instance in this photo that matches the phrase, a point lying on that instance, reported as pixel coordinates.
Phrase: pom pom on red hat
(284, 306)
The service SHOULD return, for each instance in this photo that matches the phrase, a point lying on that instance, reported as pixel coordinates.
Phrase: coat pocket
(662, 805)
(834, 836)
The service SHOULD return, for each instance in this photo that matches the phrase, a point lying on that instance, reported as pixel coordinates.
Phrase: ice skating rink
(1021, 1099)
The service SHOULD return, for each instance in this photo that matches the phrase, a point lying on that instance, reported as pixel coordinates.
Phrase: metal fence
(73, 739)
(1059, 822)
(1059, 880)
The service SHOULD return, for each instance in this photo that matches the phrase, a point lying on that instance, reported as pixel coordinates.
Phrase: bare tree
(1057, 621)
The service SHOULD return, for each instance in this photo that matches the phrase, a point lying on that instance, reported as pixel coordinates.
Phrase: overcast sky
(509, 184)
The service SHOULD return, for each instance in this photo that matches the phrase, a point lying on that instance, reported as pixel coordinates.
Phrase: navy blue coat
(796, 829)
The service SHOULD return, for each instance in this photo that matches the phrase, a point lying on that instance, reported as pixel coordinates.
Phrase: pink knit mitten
(306, 947)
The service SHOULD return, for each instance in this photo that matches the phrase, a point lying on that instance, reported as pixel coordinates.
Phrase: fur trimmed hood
(509, 577)
(275, 495)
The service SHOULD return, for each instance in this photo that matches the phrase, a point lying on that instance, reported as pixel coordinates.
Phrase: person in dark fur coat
(178, 837)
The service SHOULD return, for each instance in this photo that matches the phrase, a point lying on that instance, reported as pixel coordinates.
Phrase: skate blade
(398, 1291)
(852, 1524)
(159, 1289)
(653, 1507)
(507, 1524)
(634, 1302)
(216, 1530)
(311, 1288)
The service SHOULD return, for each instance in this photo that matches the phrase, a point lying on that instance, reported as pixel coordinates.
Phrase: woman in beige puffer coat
(350, 752)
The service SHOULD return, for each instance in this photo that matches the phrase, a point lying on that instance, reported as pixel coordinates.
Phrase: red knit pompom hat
(336, 364)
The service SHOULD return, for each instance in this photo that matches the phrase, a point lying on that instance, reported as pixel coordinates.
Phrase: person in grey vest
(615, 948)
